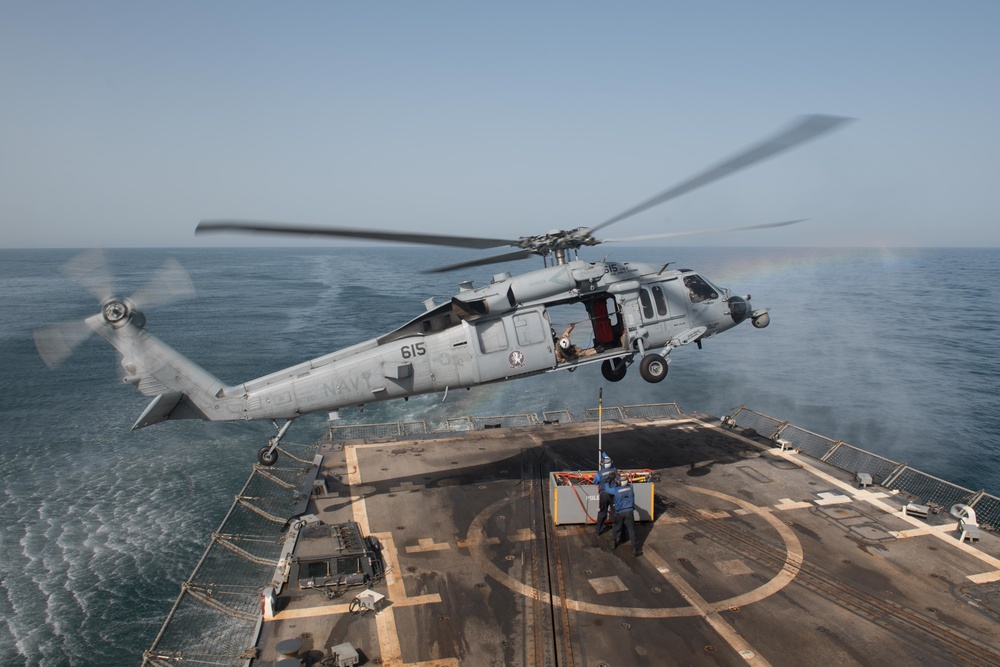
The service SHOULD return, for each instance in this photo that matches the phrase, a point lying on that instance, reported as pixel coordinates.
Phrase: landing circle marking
(476, 540)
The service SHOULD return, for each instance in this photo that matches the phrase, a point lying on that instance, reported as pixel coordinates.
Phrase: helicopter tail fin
(181, 389)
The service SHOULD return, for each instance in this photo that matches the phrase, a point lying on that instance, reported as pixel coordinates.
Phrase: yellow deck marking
(985, 577)
(335, 609)
(427, 544)
(385, 619)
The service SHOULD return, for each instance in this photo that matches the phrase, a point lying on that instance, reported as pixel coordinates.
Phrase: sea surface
(894, 351)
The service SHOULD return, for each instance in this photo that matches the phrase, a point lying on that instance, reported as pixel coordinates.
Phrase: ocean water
(894, 351)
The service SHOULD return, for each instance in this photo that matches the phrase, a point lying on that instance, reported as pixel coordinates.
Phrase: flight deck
(756, 554)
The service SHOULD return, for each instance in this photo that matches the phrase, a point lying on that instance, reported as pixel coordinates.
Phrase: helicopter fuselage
(498, 332)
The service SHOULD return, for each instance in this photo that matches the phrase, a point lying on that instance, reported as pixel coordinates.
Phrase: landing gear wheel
(613, 370)
(266, 456)
(653, 368)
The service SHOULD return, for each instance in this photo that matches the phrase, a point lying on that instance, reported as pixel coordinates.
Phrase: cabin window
(647, 304)
(492, 337)
(529, 329)
(660, 300)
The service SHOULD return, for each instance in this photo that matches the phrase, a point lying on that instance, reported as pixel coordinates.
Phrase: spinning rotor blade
(495, 259)
(694, 232)
(170, 284)
(57, 341)
(89, 269)
(347, 232)
(806, 128)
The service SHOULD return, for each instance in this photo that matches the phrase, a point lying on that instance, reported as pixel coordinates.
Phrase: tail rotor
(169, 284)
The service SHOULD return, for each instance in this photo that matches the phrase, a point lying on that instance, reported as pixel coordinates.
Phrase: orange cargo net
(576, 478)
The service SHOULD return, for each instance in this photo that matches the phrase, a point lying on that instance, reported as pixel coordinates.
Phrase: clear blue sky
(125, 123)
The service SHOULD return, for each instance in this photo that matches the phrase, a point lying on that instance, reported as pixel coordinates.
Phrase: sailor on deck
(624, 506)
(605, 476)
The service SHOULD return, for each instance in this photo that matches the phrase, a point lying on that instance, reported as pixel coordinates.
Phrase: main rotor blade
(495, 259)
(804, 129)
(89, 269)
(57, 341)
(694, 232)
(170, 284)
(347, 232)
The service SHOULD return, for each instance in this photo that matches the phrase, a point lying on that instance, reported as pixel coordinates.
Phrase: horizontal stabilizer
(158, 410)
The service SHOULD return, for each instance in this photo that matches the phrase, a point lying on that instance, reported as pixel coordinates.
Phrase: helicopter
(637, 313)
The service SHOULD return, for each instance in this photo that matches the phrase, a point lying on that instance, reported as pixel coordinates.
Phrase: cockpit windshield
(699, 289)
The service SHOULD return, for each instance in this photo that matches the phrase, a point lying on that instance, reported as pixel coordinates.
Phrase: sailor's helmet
(564, 343)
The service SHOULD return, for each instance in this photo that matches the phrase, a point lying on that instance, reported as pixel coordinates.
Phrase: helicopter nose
(738, 308)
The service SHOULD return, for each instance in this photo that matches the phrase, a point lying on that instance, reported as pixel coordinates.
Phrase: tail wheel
(266, 456)
(613, 370)
(653, 368)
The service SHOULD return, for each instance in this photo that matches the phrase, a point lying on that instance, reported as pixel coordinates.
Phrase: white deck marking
(789, 504)
(603, 585)
(719, 624)
(827, 498)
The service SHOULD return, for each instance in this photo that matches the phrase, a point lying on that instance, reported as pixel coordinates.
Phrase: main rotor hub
(558, 242)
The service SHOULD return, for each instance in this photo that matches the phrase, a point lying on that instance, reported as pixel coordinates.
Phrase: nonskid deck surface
(755, 557)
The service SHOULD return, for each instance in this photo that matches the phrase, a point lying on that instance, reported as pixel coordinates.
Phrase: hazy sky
(125, 123)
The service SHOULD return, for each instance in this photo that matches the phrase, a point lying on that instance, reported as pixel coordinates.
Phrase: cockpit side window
(699, 289)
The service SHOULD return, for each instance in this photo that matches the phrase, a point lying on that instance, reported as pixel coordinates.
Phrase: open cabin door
(515, 344)
(606, 321)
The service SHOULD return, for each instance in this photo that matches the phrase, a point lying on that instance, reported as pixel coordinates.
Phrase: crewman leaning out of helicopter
(605, 476)
(567, 351)
(624, 506)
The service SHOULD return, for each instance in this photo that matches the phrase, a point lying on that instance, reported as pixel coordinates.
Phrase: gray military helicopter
(501, 331)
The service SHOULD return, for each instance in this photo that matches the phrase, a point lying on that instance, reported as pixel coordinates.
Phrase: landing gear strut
(268, 454)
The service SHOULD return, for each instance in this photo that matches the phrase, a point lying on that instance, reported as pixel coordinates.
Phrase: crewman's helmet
(564, 343)
(606, 462)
